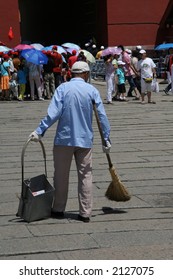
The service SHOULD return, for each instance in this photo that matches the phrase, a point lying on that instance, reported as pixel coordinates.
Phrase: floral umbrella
(111, 50)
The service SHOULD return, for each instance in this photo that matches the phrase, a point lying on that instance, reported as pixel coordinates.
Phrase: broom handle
(101, 134)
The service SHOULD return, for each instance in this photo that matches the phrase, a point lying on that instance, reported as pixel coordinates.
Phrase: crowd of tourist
(23, 80)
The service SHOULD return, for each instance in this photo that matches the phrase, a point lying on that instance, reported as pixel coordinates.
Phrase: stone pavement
(142, 152)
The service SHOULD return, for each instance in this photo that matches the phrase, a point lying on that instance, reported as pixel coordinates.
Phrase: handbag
(36, 194)
(155, 86)
(148, 80)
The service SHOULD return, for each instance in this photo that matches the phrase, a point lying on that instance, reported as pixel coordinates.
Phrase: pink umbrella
(111, 50)
(22, 47)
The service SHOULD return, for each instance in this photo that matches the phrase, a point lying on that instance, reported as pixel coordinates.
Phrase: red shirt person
(72, 59)
(58, 65)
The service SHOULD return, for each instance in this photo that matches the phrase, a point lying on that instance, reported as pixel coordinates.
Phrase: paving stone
(142, 154)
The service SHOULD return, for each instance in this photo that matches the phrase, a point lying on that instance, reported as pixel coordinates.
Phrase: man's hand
(34, 136)
(106, 148)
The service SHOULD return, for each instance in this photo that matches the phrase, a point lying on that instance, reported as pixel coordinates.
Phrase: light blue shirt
(72, 107)
(121, 76)
(3, 67)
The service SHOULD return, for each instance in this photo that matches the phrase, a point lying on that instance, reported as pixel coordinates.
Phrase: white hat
(102, 47)
(142, 51)
(119, 62)
(93, 46)
(128, 51)
(80, 67)
(138, 48)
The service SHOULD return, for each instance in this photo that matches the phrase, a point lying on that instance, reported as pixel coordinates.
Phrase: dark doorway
(56, 22)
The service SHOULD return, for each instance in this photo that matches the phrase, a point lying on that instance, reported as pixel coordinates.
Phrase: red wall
(9, 16)
(130, 23)
(134, 22)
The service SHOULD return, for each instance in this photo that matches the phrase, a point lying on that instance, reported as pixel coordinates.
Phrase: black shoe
(115, 98)
(129, 95)
(57, 215)
(166, 92)
(83, 219)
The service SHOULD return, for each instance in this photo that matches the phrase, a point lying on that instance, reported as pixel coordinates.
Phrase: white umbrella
(37, 46)
(71, 45)
(88, 55)
(4, 49)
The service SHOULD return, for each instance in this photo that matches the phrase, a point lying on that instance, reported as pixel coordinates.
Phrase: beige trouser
(35, 80)
(62, 161)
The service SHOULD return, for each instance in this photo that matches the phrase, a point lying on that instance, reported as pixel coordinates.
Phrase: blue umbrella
(164, 46)
(34, 56)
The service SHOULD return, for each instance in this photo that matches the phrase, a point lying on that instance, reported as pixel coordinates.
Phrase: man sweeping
(72, 106)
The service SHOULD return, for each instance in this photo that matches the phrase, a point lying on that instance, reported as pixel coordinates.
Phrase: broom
(116, 190)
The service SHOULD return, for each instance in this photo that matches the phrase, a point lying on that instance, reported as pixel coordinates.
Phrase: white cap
(93, 46)
(138, 48)
(142, 51)
(80, 67)
(119, 62)
(128, 51)
(102, 47)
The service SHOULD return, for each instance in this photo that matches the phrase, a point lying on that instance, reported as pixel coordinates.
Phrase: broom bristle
(116, 190)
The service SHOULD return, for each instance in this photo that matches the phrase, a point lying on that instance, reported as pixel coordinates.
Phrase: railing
(98, 68)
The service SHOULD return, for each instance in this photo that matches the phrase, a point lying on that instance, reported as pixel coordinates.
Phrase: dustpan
(36, 193)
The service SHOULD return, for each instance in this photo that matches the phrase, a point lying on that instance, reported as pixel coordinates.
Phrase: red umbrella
(22, 47)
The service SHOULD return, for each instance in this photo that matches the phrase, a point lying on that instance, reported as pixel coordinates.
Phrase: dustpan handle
(23, 152)
(101, 133)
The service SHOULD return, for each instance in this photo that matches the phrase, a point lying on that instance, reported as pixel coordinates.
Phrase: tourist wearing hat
(99, 53)
(72, 108)
(5, 78)
(136, 76)
(138, 48)
(129, 71)
(94, 50)
(72, 59)
(120, 81)
(147, 69)
(14, 62)
(58, 65)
